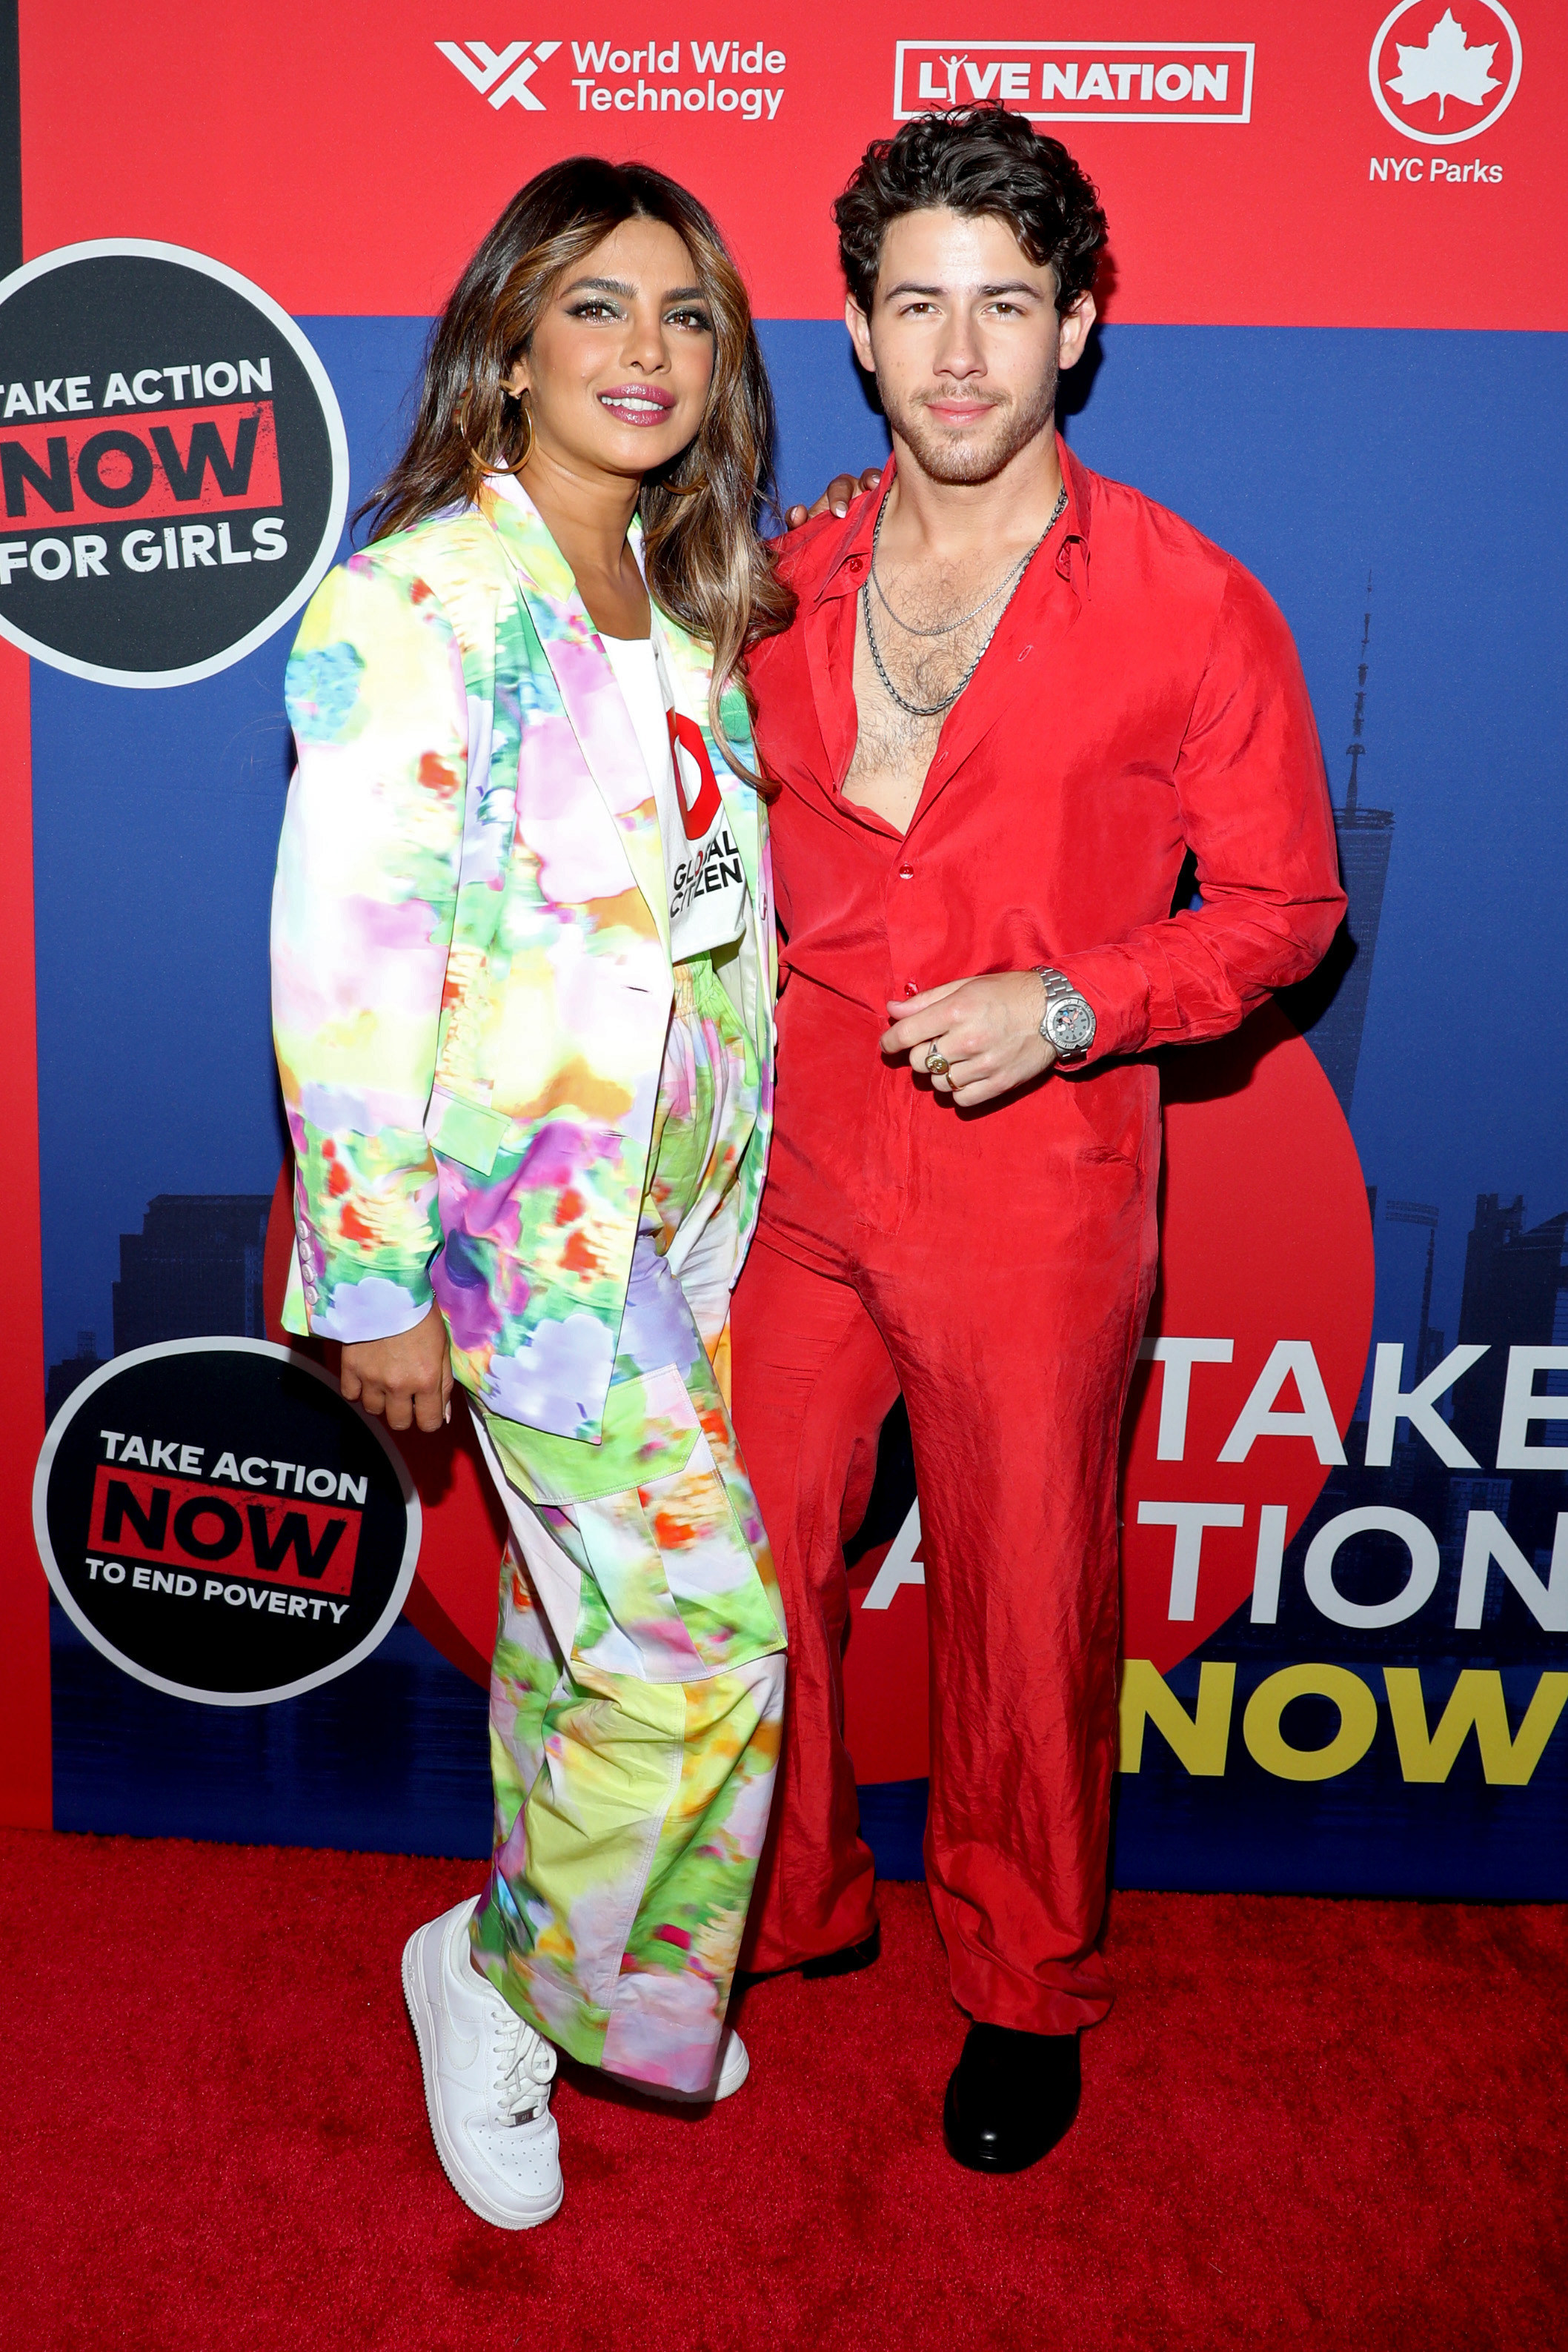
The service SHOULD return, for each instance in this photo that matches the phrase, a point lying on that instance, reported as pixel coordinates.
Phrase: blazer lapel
(593, 701)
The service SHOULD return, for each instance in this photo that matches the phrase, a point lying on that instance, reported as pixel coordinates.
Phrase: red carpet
(1330, 2125)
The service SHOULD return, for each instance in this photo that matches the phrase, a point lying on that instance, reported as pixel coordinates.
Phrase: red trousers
(1005, 1293)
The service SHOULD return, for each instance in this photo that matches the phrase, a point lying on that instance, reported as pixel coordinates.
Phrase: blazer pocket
(650, 1426)
(466, 1131)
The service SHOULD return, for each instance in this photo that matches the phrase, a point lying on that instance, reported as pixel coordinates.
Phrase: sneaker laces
(525, 2068)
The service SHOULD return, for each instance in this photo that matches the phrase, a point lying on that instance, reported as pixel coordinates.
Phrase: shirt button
(906, 873)
(911, 988)
(857, 563)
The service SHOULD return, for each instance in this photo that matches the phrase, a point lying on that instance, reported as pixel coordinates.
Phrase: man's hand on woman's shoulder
(834, 499)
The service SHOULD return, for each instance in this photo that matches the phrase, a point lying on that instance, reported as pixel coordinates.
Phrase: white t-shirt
(703, 867)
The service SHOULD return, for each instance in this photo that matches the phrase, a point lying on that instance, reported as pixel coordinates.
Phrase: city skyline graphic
(1329, 1006)
(192, 1272)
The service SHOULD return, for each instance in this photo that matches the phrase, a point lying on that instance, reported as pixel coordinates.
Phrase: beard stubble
(977, 455)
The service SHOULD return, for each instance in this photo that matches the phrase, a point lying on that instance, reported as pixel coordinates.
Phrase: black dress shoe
(1011, 2098)
(846, 1963)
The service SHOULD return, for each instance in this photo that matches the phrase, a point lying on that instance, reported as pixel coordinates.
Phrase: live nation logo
(173, 470)
(1079, 82)
(217, 1521)
(1442, 74)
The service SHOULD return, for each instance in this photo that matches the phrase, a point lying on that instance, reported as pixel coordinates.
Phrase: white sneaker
(730, 2069)
(487, 2080)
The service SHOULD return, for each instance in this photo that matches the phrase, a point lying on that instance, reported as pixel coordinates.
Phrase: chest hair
(889, 741)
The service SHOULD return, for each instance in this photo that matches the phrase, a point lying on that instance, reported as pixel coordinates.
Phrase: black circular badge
(174, 472)
(221, 1523)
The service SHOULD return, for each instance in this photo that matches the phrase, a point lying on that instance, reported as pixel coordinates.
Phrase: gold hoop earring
(495, 466)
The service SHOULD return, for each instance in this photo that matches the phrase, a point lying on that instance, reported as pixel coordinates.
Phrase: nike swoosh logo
(458, 2049)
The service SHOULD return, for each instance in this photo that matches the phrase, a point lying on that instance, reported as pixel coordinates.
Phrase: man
(1014, 696)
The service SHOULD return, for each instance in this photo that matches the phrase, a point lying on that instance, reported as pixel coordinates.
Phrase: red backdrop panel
(334, 154)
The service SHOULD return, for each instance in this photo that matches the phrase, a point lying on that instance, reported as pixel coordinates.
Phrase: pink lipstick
(638, 404)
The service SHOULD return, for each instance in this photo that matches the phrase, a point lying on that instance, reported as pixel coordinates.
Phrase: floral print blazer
(471, 970)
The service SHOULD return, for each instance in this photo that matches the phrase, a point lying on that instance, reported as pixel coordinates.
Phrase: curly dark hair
(974, 160)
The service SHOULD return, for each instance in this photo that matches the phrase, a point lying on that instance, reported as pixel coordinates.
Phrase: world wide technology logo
(743, 77)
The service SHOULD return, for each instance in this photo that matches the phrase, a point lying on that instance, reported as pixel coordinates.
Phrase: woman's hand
(409, 1379)
(834, 499)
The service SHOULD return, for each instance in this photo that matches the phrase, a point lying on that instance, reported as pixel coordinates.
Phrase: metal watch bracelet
(1069, 1021)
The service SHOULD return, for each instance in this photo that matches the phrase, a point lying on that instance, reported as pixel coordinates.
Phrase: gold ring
(937, 1064)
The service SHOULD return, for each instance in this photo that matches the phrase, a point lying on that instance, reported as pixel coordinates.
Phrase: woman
(522, 986)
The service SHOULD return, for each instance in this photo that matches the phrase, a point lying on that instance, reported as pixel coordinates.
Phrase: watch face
(1072, 1025)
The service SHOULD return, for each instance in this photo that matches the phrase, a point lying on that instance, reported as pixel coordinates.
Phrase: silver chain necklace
(946, 628)
(1009, 580)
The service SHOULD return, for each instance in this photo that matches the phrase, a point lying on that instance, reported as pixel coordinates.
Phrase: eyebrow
(1003, 286)
(627, 293)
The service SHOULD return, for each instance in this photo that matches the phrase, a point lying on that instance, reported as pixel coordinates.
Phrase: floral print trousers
(637, 1693)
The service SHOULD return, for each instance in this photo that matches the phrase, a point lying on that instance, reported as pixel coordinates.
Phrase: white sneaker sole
(422, 2018)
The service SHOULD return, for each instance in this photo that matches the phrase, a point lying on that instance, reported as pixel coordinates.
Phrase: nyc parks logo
(1443, 70)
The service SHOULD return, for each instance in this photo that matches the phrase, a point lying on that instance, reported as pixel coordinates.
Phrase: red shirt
(1141, 697)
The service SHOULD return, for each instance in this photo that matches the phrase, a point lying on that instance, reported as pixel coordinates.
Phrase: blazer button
(906, 873)
(911, 988)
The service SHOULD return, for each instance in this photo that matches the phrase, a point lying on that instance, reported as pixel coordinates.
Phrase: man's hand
(409, 1377)
(987, 1030)
(834, 499)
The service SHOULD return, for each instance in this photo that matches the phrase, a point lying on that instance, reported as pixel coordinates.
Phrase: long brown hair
(706, 565)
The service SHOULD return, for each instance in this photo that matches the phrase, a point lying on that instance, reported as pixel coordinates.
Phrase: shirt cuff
(372, 1308)
(1115, 988)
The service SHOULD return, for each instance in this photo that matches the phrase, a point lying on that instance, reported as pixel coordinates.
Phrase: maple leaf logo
(1446, 67)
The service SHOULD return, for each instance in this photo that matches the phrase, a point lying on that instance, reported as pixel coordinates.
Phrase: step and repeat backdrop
(1332, 337)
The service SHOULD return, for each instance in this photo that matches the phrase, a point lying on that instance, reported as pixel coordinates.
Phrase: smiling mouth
(960, 412)
(633, 403)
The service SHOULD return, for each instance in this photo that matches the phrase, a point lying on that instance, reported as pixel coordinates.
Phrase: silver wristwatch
(1069, 1022)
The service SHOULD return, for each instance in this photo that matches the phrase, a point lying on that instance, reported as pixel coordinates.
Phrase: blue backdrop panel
(1427, 463)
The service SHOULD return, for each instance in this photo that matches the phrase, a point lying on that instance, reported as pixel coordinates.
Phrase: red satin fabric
(1142, 696)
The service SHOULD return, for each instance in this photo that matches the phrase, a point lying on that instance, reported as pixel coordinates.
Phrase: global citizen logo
(678, 77)
(1440, 76)
(1079, 82)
